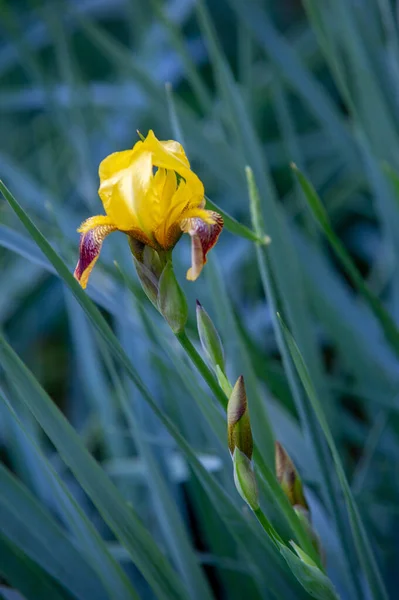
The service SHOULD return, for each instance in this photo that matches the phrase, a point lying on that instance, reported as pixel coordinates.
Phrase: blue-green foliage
(132, 495)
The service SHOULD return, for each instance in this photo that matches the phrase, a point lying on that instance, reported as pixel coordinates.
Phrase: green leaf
(24, 522)
(122, 520)
(166, 512)
(307, 418)
(22, 572)
(387, 323)
(50, 546)
(235, 227)
(362, 543)
(309, 576)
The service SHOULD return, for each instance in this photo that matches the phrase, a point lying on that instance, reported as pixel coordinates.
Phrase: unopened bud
(244, 479)
(238, 425)
(148, 267)
(288, 477)
(210, 340)
(172, 302)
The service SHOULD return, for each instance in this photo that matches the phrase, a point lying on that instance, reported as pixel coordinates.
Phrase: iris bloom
(151, 194)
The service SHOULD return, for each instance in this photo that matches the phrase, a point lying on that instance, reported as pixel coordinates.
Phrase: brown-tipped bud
(288, 477)
(210, 340)
(238, 425)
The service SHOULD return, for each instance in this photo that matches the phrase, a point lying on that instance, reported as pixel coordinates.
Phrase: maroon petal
(203, 237)
(93, 233)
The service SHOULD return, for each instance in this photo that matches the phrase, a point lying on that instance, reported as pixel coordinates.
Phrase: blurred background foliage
(258, 82)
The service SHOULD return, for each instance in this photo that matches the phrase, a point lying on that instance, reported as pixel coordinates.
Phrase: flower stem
(267, 526)
(203, 369)
(301, 535)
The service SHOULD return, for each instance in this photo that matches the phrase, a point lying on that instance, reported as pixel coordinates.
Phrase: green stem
(203, 369)
(282, 503)
(267, 526)
(277, 493)
(307, 416)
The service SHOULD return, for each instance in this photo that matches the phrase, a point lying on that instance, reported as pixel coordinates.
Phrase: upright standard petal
(125, 179)
(204, 235)
(93, 231)
(170, 155)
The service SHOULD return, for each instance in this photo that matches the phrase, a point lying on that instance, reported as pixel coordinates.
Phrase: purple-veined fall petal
(203, 237)
(93, 233)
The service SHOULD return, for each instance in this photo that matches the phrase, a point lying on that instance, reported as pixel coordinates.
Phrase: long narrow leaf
(362, 543)
(122, 520)
(387, 323)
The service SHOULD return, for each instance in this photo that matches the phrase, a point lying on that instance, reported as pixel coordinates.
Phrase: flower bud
(288, 477)
(148, 267)
(244, 479)
(210, 340)
(172, 302)
(238, 425)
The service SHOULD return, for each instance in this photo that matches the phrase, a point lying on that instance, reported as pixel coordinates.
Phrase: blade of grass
(387, 323)
(235, 227)
(22, 572)
(286, 269)
(94, 385)
(199, 88)
(226, 508)
(288, 63)
(307, 419)
(24, 523)
(122, 519)
(261, 425)
(108, 570)
(165, 509)
(362, 543)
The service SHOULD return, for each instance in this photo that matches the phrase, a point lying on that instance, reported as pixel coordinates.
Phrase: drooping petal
(204, 236)
(125, 178)
(93, 231)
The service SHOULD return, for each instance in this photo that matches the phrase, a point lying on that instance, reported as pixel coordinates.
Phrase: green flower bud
(148, 267)
(244, 479)
(288, 477)
(210, 340)
(172, 302)
(238, 425)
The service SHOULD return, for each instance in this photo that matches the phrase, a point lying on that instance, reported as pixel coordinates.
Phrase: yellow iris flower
(151, 194)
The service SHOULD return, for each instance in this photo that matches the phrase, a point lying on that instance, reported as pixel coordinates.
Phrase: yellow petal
(93, 232)
(170, 155)
(208, 216)
(125, 178)
(172, 216)
(171, 149)
(158, 201)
